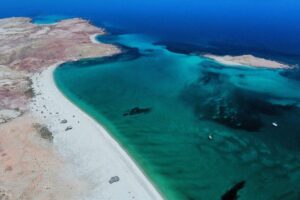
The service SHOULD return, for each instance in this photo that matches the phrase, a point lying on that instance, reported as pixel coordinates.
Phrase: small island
(247, 60)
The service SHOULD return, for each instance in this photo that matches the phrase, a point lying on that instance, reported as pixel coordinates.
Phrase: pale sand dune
(92, 152)
(248, 60)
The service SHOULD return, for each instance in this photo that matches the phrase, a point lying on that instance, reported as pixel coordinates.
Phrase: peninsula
(49, 148)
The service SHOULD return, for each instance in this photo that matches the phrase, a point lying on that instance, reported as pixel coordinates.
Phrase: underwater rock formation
(136, 111)
(214, 97)
(232, 194)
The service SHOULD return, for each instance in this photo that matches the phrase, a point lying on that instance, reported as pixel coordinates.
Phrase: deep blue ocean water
(256, 25)
(185, 98)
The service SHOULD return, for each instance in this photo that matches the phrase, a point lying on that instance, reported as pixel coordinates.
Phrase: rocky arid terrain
(26, 47)
(27, 160)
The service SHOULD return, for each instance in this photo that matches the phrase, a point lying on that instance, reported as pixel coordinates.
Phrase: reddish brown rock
(26, 47)
(29, 47)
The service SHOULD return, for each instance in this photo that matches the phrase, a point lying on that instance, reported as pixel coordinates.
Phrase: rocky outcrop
(114, 179)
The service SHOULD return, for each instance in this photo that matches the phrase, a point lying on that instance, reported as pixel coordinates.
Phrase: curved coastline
(93, 153)
(93, 38)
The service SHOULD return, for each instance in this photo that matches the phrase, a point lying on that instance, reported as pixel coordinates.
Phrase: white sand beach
(92, 153)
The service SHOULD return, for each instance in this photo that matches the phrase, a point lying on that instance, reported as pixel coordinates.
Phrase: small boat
(275, 124)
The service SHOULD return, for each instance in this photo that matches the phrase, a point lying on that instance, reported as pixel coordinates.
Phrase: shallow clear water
(201, 127)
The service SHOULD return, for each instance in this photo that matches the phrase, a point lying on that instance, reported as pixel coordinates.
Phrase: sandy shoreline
(87, 146)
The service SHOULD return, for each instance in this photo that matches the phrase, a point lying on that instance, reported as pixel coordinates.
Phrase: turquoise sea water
(205, 129)
(186, 98)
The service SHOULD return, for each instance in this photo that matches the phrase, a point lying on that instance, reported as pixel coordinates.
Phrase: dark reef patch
(214, 97)
(208, 64)
(136, 111)
(241, 75)
(232, 194)
(293, 74)
(149, 50)
(211, 77)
